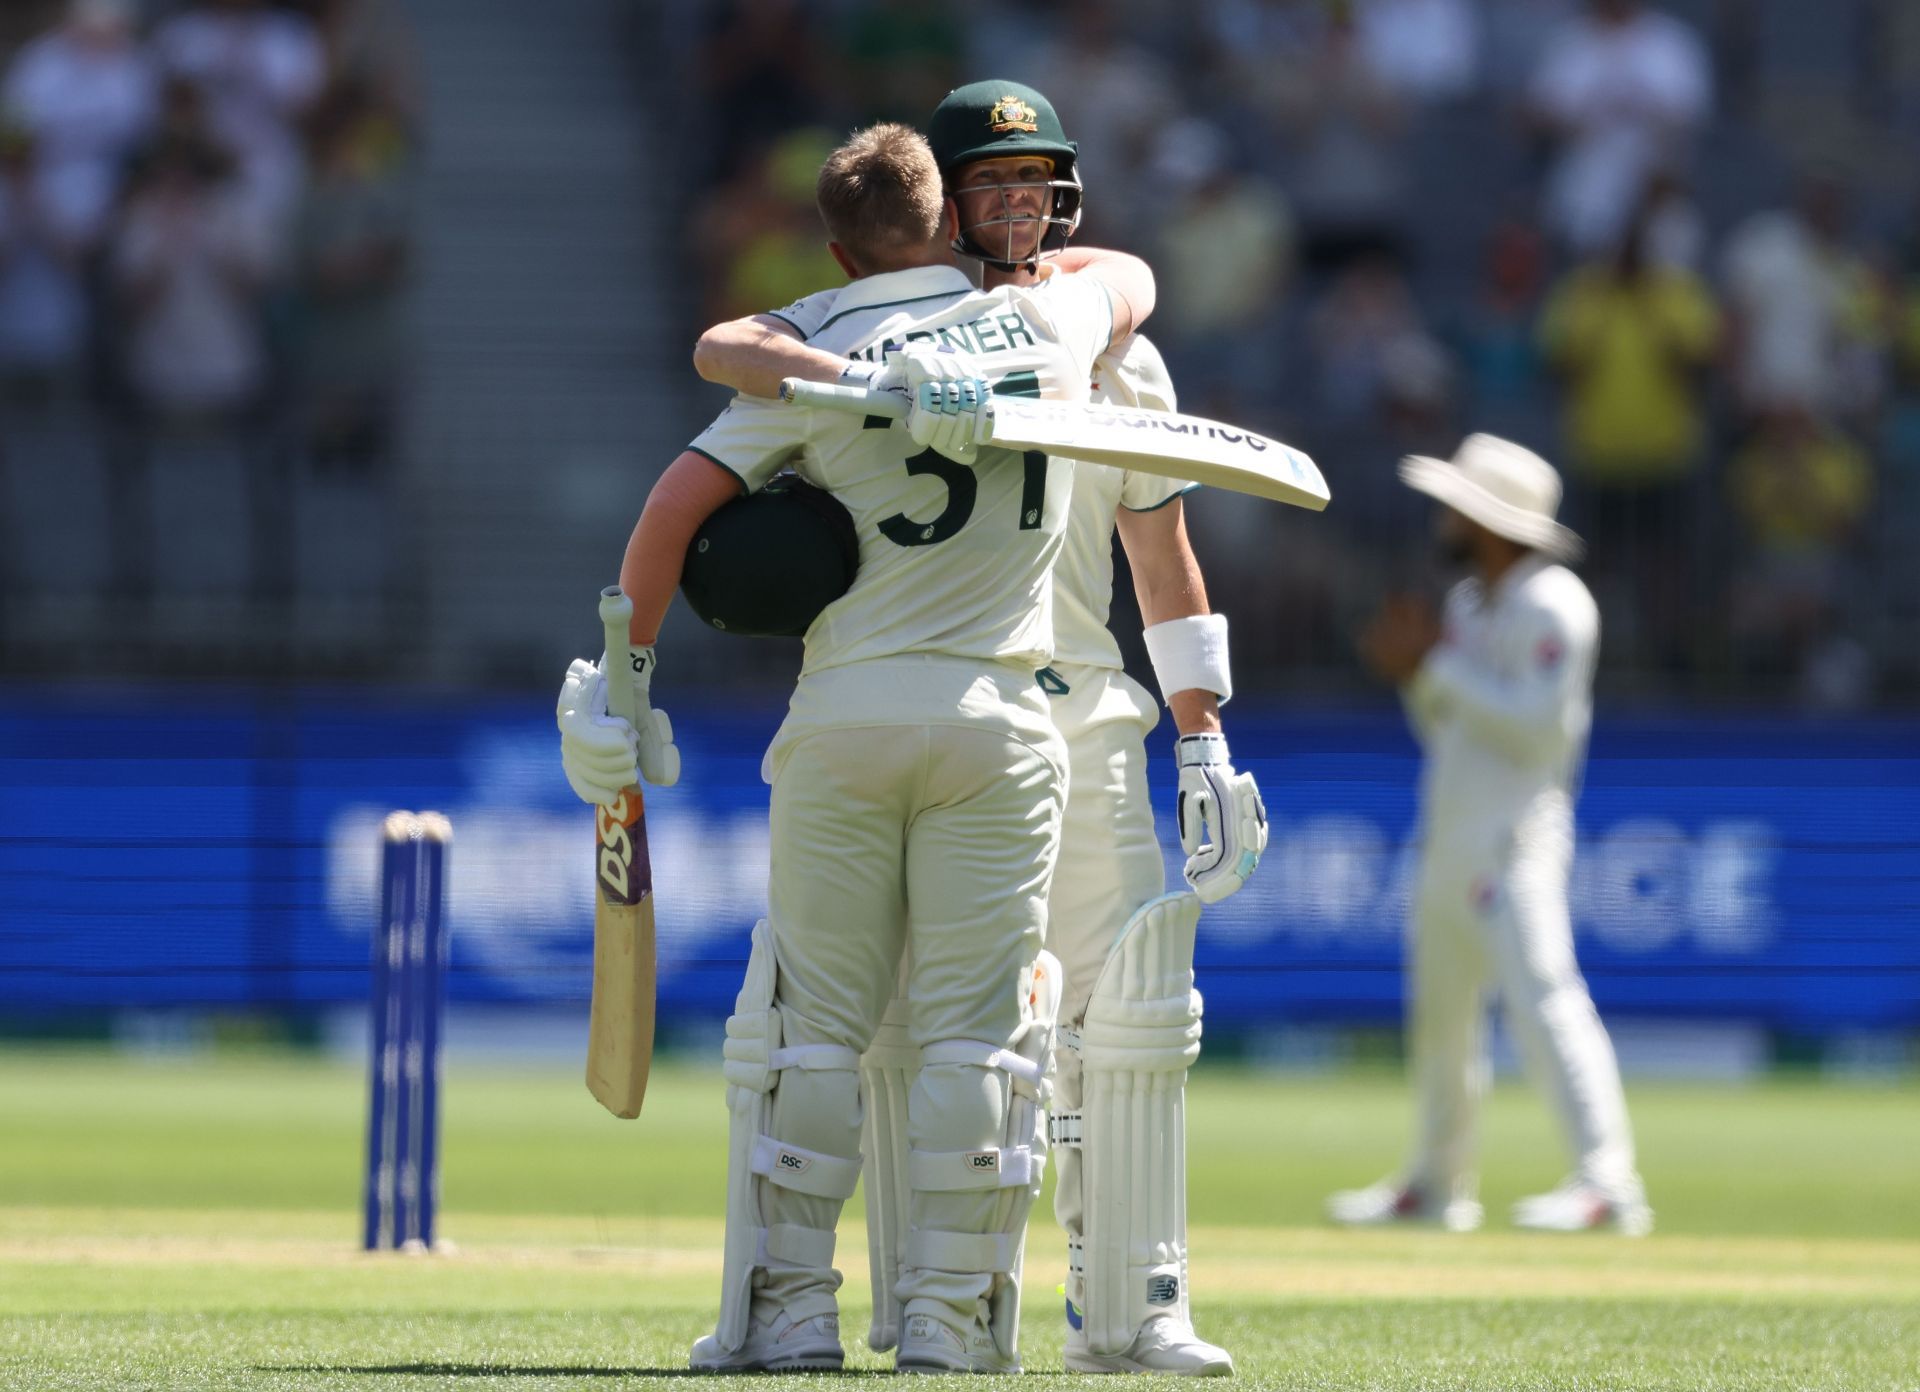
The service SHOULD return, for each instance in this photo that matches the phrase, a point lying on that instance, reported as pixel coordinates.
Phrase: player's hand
(952, 418)
(601, 753)
(598, 751)
(1223, 823)
(659, 759)
(1397, 639)
(909, 368)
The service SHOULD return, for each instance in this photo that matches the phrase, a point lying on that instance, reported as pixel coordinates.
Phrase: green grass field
(192, 1224)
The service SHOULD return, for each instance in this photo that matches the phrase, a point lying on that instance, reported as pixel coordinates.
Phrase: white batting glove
(659, 759)
(601, 753)
(952, 418)
(909, 368)
(597, 750)
(1223, 823)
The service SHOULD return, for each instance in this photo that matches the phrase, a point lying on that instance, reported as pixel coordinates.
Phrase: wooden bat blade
(620, 1018)
(1163, 443)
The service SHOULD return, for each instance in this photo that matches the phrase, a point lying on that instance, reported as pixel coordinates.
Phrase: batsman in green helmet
(1131, 1017)
(1010, 169)
(1124, 944)
(918, 779)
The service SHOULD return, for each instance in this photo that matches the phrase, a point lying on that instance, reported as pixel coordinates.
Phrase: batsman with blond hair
(918, 782)
(1130, 1021)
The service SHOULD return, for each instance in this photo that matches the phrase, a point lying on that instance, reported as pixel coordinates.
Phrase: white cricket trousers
(1496, 918)
(1110, 859)
(940, 840)
(1110, 864)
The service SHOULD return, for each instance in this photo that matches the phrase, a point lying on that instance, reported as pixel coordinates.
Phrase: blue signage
(222, 850)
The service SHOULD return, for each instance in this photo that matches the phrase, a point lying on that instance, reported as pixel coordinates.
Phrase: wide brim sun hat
(1506, 488)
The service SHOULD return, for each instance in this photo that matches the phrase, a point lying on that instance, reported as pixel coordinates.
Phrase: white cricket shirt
(955, 560)
(1131, 374)
(1504, 702)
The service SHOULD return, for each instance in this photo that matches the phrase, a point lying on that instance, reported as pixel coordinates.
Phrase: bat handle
(616, 614)
(858, 401)
(626, 698)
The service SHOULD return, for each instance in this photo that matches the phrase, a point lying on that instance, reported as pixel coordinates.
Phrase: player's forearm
(691, 490)
(1128, 279)
(1168, 583)
(1166, 574)
(1174, 591)
(752, 356)
(1078, 258)
(1423, 706)
(1195, 712)
(1522, 718)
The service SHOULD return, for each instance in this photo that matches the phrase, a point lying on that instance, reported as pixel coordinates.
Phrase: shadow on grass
(499, 1370)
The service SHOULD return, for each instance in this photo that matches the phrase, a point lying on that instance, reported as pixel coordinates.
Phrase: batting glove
(952, 418)
(1223, 823)
(601, 753)
(659, 759)
(909, 368)
(597, 750)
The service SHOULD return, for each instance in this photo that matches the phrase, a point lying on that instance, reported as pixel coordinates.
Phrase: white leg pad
(1142, 1033)
(754, 1060)
(1014, 1167)
(887, 1071)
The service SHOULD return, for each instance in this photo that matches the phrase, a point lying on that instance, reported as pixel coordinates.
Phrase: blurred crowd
(1674, 246)
(204, 240)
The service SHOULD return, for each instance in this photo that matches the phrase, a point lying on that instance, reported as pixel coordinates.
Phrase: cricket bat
(620, 1019)
(1164, 443)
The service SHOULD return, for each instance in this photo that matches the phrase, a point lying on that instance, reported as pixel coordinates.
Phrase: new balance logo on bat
(1015, 421)
(1173, 425)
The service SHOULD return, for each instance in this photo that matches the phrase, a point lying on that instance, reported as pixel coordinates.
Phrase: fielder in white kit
(1130, 1017)
(918, 783)
(1499, 692)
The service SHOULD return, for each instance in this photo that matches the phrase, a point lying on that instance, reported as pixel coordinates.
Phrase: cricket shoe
(1165, 1344)
(1386, 1204)
(1577, 1206)
(778, 1345)
(928, 1345)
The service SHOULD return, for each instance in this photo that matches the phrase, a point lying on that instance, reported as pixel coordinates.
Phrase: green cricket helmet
(765, 565)
(1001, 120)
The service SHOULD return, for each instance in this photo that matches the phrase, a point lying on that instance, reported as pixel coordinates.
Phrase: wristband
(1190, 654)
(1192, 750)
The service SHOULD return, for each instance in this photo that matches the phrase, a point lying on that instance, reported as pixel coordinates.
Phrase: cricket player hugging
(1130, 1019)
(918, 785)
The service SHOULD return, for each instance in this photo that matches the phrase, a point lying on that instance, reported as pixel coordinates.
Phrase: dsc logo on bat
(614, 825)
